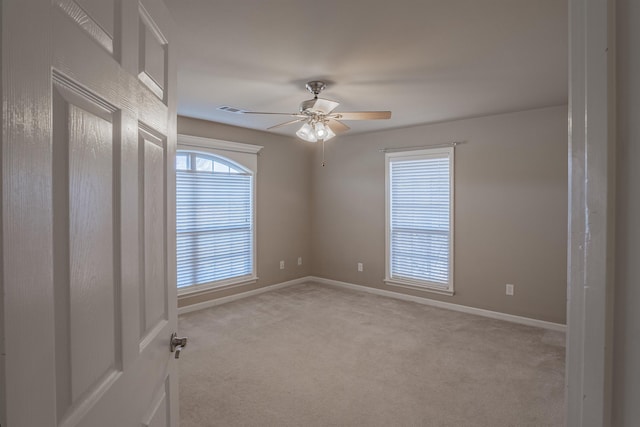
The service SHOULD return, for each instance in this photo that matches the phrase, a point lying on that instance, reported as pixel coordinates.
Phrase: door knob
(177, 344)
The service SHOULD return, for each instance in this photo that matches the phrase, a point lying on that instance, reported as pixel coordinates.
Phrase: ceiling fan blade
(286, 123)
(363, 115)
(337, 126)
(318, 105)
(325, 105)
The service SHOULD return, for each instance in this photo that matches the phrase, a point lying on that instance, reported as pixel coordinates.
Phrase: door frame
(3, 393)
(591, 212)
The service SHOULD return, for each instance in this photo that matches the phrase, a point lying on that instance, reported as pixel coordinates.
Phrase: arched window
(214, 220)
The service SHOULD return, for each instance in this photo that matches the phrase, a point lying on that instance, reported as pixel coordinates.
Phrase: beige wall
(282, 207)
(510, 210)
(510, 216)
(626, 363)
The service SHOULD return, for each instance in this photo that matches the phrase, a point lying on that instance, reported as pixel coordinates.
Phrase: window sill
(216, 286)
(420, 287)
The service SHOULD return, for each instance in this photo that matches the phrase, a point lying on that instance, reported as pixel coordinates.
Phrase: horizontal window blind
(214, 226)
(419, 223)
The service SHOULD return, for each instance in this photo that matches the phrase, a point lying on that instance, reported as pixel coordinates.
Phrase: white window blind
(419, 218)
(214, 219)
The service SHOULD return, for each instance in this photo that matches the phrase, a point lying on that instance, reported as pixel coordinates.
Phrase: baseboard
(212, 303)
(446, 305)
(397, 295)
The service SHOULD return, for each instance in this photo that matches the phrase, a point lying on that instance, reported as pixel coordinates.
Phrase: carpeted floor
(314, 355)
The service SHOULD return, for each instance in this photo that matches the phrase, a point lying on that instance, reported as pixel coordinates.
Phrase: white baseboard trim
(446, 305)
(212, 303)
(397, 295)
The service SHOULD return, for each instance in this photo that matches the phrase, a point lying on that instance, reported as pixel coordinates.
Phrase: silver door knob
(177, 344)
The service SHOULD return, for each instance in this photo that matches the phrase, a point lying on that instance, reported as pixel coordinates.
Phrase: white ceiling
(425, 60)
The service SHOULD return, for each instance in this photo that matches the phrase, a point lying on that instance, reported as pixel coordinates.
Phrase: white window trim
(246, 156)
(419, 285)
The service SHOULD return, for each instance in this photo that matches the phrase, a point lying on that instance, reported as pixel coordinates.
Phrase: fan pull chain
(323, 153)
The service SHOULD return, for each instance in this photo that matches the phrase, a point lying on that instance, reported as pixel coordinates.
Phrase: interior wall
(626, 363)
(282, 204)
(510, 210)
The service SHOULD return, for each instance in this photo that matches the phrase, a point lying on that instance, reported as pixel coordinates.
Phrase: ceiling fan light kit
(307, 133)
(313, 132)
(321, 123)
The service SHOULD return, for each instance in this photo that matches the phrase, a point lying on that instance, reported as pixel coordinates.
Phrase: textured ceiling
(426, 61)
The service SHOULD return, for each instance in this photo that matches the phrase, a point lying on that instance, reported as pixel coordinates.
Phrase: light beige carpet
(314, 355)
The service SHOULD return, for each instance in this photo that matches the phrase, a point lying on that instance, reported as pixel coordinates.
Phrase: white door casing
(591, 212)
(88, 235)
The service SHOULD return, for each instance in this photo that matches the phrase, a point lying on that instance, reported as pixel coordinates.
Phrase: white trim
(446, 305)
(421, 147)
(218, 285)
(591, 252)
(218, 301)
(219, 144)
(421, 153)
(434, 289)
(360, 288)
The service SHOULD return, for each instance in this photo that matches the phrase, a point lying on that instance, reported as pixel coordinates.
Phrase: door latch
(177, 344)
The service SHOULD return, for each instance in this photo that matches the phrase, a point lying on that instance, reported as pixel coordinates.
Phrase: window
(419, 211)
(215, 233)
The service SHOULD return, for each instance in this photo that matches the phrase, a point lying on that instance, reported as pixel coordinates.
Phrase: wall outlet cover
(509, 289)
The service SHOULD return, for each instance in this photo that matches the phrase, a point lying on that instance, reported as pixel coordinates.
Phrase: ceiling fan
(321, 122)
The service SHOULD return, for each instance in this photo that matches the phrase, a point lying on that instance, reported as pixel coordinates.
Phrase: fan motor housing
(315, 87)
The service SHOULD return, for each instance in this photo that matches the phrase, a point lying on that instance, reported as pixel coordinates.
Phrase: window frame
(244, 156)
(422, 285)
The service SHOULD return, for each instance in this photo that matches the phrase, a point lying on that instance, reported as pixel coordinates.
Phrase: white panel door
(88, 214)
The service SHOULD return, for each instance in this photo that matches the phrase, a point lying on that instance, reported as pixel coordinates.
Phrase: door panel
(159, 416)
(153, 54)
(154, 300)
(92, 286)
(96, 17)
(85, 286)
(88, 212)
(102, 12)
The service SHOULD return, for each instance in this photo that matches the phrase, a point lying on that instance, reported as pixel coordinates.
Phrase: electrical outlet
(509, 289)
(281, 265)
(360, 267)
(299, 260)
